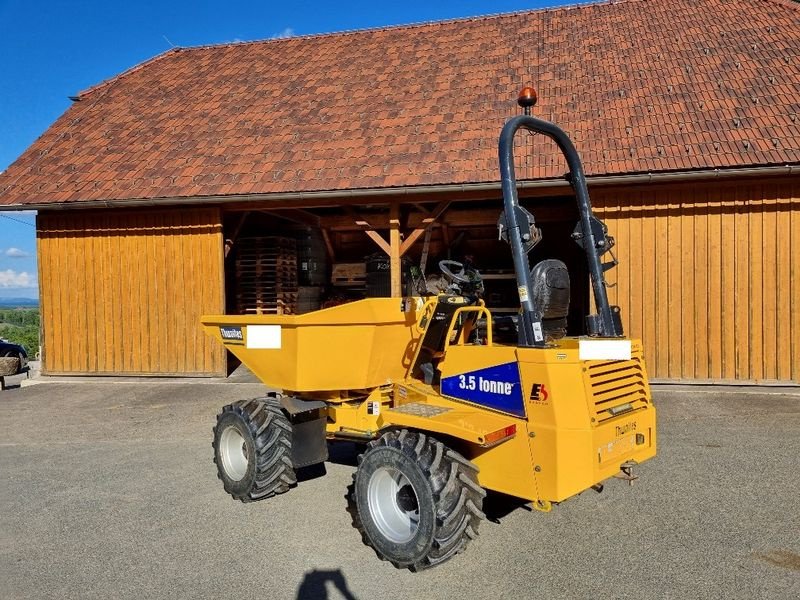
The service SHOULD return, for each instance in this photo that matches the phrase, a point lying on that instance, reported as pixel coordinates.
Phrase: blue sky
(54, 49)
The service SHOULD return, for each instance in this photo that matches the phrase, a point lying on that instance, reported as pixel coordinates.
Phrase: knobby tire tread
(272, 436)
(457, 495)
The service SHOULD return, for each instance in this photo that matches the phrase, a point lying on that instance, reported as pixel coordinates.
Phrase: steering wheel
(459, 277)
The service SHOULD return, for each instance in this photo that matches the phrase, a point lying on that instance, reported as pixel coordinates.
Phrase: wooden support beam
(440, 209)
(376, 237)
(423, 261)
(421, 208)
(394, 250)
(427, 222)
(362, 223)
(559, 187)
(409, 241)
(297, 215)
(455, 217)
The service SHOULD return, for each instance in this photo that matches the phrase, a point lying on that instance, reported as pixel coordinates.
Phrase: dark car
(8, 349)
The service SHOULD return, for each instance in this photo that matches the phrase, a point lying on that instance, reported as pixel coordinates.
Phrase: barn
(281, 175)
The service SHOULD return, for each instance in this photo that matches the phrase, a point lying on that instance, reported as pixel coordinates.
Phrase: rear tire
(252, 449)
(416, 502)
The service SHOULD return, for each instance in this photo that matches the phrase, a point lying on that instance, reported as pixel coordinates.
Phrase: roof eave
(415, 191)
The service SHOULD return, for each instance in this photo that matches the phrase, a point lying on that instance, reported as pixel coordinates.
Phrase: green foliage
(20, 316)
(21, 326)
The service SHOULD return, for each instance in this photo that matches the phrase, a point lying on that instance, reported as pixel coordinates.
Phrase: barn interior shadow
(314, 585)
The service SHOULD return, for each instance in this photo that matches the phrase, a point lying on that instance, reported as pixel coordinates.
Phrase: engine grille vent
(618, 387)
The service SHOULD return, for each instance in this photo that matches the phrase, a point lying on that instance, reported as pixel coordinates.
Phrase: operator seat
(550, 281)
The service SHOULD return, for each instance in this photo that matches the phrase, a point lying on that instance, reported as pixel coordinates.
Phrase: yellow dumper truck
(445, 410)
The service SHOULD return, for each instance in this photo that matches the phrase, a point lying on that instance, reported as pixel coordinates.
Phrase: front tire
(417, 502)
(252, 449)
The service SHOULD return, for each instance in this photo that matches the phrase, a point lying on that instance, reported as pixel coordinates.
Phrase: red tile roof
(639, 85)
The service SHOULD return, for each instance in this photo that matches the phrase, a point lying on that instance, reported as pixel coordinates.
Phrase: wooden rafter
(427, 222)
(328, 245)
(378, 239)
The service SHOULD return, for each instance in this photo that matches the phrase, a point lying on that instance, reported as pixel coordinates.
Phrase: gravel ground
(108, 490)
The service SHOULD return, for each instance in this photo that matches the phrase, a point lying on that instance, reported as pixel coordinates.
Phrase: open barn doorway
(291, 261)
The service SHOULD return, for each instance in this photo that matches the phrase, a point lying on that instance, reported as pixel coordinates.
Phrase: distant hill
(17, 302)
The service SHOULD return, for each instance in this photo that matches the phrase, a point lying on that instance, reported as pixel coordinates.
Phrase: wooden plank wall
(122, 291)
(709, 277)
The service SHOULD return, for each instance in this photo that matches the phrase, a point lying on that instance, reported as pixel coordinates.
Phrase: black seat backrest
(550, 280)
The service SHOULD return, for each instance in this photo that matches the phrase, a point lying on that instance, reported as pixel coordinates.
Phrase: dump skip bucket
(359, 345)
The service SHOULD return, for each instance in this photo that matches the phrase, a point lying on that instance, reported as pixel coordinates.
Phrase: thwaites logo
(231, 334)
(627, 428)
(539, 393)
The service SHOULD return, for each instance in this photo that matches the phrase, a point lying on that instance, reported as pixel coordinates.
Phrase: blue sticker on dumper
(496, 387)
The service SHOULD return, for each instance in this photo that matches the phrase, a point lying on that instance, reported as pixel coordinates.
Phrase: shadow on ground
(314, 585)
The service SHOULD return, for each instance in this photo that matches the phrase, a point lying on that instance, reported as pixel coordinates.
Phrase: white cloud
(13, 280)
(286, 33)
(16, 253)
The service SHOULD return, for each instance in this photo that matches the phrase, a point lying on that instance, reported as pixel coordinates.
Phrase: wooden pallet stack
(266, 273)
(352, 276)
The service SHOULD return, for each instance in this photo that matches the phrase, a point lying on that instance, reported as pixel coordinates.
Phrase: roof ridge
(106, 82)
(577, 4)
(403, 26)
(793, 4)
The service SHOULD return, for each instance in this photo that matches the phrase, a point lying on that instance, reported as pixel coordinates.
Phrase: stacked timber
(266, 275)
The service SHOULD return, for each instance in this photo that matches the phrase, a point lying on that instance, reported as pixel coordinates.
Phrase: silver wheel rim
(393, 504)
(232, 452)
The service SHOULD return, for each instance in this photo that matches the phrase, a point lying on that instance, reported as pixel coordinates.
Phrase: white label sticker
(523, 293)
(537, 331)
(264, 337)
(605, 349)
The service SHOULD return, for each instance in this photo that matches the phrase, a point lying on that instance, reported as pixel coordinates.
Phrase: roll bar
(590, 234)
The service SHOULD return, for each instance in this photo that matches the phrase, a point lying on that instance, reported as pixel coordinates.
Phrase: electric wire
(18, 220)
